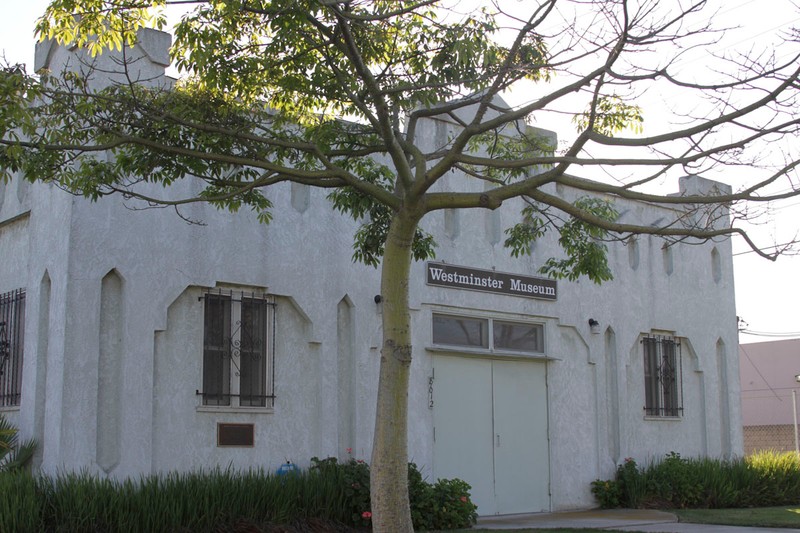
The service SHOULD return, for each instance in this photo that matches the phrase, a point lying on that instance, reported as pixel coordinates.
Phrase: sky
(767, 293)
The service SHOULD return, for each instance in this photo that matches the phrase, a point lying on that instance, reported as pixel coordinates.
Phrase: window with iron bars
(12, 341)
(238, 350)
(662, 377)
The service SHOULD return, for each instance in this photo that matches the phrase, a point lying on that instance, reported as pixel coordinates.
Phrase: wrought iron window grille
(12, 327)
(5, 347)
(198, 392)
(663, 376)
(242, 348)
(239, 296)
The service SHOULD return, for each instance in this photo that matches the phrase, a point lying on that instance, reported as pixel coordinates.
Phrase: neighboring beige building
(768, 371)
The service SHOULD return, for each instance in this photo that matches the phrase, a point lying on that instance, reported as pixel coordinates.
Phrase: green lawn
(759, 517)
(788, 517)
(556, 530)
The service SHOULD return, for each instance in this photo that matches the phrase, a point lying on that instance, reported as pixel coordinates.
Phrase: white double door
(490, 429)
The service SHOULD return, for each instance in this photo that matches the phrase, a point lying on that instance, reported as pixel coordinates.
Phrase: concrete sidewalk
(621, 519)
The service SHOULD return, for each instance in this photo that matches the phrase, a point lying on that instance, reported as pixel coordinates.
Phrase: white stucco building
(143, 344)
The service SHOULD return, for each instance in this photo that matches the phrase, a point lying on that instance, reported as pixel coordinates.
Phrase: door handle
(498, 439)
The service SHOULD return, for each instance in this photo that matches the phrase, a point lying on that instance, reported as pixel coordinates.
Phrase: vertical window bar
(253, 359)
(5, 348)
(271, 392)
(652, 399)
(678, 355)
(669, 380)
(217, 350)
(18, 345)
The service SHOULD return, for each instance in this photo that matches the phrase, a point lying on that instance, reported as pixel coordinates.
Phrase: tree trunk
(389, 468)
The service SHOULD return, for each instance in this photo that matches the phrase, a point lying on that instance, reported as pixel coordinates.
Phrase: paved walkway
(622, 519)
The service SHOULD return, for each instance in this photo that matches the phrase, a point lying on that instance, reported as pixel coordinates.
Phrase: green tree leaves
(611, 115)
(97, 25)
(14, 455)
(581, 242)
(357, 59)
(586, 254)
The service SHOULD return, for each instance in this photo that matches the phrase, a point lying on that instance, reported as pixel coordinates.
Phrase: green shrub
(673, 483)
(352, 479)
(764, 479)
(607, 492)
(778, 476)
(632, 483)
(423, 499)
(719, 482)
(14, 455)
(453, 508)
(219, 500)
(443, 505)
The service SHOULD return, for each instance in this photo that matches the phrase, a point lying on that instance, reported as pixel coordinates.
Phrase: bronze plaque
(235, 435)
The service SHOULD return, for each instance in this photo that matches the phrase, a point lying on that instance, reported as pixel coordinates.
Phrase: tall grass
(760, 480)
(217, 501)
(196, 502)
(21, 508)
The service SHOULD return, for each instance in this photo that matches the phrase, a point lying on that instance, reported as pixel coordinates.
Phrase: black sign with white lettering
(459, 277)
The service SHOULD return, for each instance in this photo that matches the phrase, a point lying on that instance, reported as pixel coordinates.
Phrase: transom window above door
(487, 334)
